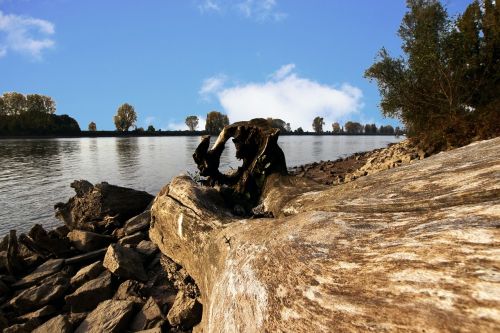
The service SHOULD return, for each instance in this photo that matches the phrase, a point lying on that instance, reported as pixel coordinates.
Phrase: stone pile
(345, 170)
(98, 273)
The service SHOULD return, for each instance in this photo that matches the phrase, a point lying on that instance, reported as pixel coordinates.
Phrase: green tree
(151, 129)
(353, 127)
(299, 130)
(3, 110)
(125, 117)
(192, 122)
(446, 87)
(215, 122)
(336, 128)
(317, 124)
(40, 103)
(14, 103)
(92, 127)
(386, 129)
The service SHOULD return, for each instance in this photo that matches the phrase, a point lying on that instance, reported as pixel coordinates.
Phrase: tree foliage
(192, 122)
(336, 128)
(445, 89)
(125, 117)
(92, 127)
(33, 114)
(317, 124)
(215, 122)
(151, 129)
(353, 127)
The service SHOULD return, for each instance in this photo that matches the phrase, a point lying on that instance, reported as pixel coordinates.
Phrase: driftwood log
(410, 249)
(257, 146)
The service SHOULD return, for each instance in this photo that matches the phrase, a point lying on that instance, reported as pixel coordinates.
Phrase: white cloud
(25, 35)
(181, 126)
(209, 5)
(260, 10)
(212, 85)
(287, 96)
(283, 72)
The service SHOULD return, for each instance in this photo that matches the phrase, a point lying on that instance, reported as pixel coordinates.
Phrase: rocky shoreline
(98, 273)
(344, 170)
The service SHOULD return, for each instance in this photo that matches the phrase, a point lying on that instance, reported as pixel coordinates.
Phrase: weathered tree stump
(257, 145)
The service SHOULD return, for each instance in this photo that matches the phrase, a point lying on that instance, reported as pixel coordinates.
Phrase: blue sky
(290, 59)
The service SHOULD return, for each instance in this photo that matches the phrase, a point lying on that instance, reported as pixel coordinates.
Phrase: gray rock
(49, 290)
(87, 273)
(132, 239)
(48, 268)
(109, 316)
(96, 203)
(75, 319)
(138, 223)
(59, 324)
(39, 314)
(149, 316)
(131, 290)
(86, 241)
(146, 248)
(91, 293)
(186, 311)
(48, 243)
(124, 262)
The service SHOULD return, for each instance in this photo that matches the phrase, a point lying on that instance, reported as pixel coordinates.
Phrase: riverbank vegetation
(33, 114)
(445, 88)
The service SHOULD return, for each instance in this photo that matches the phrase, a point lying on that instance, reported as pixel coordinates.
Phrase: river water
(35, 174)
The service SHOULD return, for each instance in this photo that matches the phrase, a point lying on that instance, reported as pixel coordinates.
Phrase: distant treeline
(33, 115)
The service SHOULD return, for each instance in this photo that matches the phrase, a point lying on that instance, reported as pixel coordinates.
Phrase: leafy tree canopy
(445, 89)
(125, 117)
(215, 122)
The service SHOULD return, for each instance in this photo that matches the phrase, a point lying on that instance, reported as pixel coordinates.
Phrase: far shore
(113, 134)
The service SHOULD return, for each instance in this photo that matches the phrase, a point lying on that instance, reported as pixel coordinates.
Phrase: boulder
(13, 262)
(49, 244)
(48, 268)
(124, 262)
(149, 316)
(91, 293)
(186, 311)
(86, 241)
(405, 248)
(98, 202)
(59, 324)
(87, 273)
(131, 290)
(75, 319)
(137, 223)
(47, 291)
(109, 316)
(146, 248)
(38, 315)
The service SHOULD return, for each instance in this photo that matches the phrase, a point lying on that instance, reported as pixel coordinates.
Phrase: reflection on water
(35, 174)
(127, 152)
